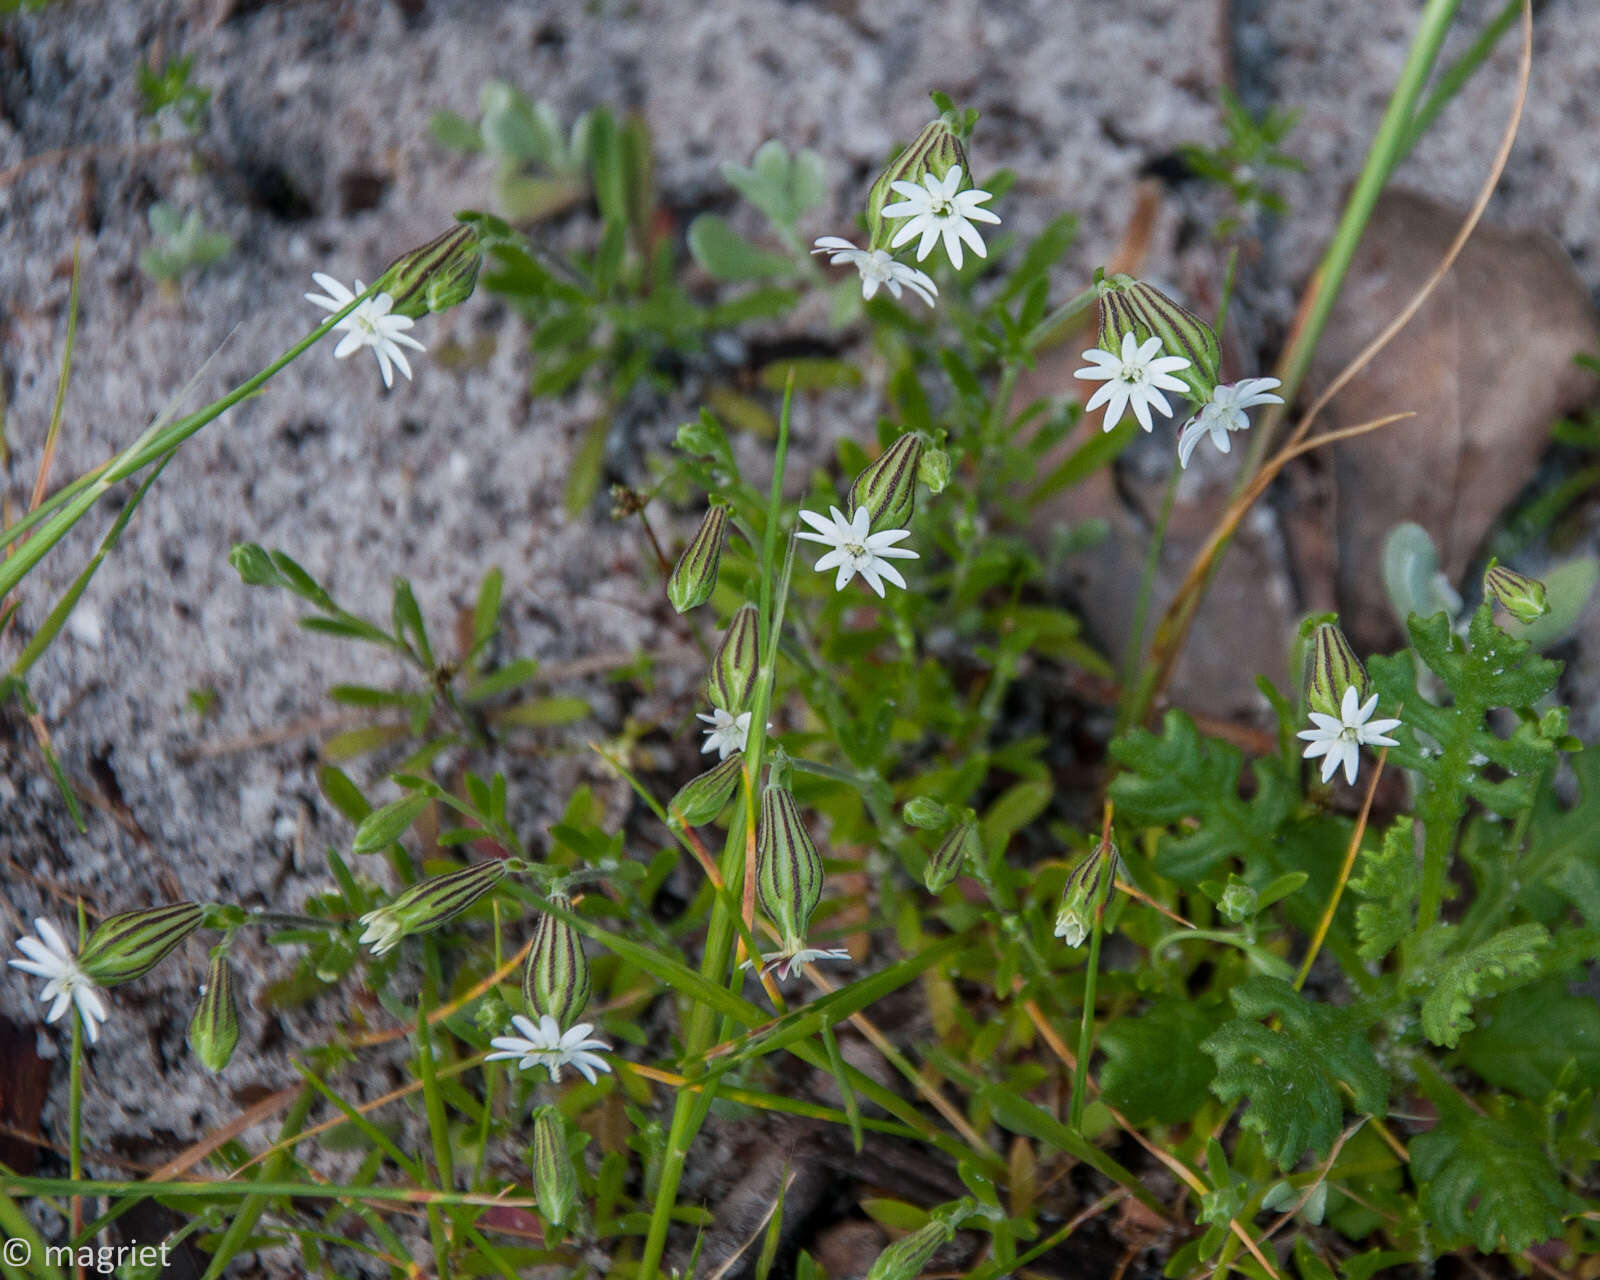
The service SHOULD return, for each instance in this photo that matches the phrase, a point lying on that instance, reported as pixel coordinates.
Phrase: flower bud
(1333, 668)
(555, 1181)
(934, 470)
(926, 813)
(694, 577)
(128, 945)
(907, 1257)
(428, 904)
(733, 666)
(1087, 891)
(945, 862)
(788, 867)
(888, 488)
(702, 798)
(1239, 903)
(1131, 306)
(556, 980)
(937, 149)
(436, 277)
(214, 1029)
(1524, 598)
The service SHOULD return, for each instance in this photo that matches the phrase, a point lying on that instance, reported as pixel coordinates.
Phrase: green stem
(262, 1189)
(1051, 327)
(1141, 608)
(1080, 1069)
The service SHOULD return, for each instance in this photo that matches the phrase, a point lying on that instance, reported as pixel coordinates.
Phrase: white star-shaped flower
(370, 325)
(384, 930)
(788, 963)
(937, 208)
(1225, 412)
(727, 733)
(878, 268)
(855, 550)
(546, 1045)
(1340, 738)
(1135, 378)
(49, 957)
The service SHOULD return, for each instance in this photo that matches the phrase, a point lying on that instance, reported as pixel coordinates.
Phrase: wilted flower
(1225, 412)
(877, 269)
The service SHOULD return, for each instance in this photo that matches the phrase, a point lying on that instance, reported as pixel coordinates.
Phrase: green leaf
(1538, 1039)
(1154, 1070)
(1388, 881)
(1507, 960)
(382, 827)
(1291, 1075)
(1485, 1181)
(726, 255)
(782, 186)
(1014, 809)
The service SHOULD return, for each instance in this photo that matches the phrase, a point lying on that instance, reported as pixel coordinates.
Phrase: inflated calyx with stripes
(734, 665)
(129, 945)
(1131, 306)
(556, 980)
(888, 488)
(788, 867)
(694, 577)
(937, 150)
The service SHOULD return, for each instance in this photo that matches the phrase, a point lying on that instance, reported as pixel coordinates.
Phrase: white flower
(547, 1046)
(937, 209)
(878, 268)
(384, 930)
(788, 963)
(370, 325)
(727, 733)
(1135, 378)
(857, 551)
(1225, 413)
(1341, 738)
(50, 958)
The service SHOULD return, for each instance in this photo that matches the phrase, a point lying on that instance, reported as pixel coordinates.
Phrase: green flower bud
(788, 867)
(694, 577)
(1131, 306)
(555, 1180)
(934, 470)
(945, 862)
(439, 275)
(214, 1029)
(925, 813)
(131, 944)
(733, 666)
(556, 980)
(908, 1256)
(702, 798)
(1524, 598)
(1332, 668)
(937, 149)
(428, 904)
(888, 488)
(1087, 891)
(1239, 902)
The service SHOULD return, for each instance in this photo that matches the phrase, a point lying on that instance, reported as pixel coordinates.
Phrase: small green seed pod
(131, 944)
(214, 1029)
(926, 814)
(702, 798)
(1524, 598)
(1087, 890)
(429, 903)
(906, 1258)
(934, 470)
(694, 577)
(439, 275)
(555, 1180)
(945, 862)
(734, 665)
(1332, 668)
(556, 980)
(788, 867)
(888, 488)
(937, 149)
(1131, 306)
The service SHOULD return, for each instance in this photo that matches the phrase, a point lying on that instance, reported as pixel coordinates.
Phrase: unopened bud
(429, 904)
(694, 577)
(945, 862)
(1131, 306)
(131, 944)
(1524, 598)
(555, 1181)
(1087, 891)
(908, 1256)
(888, 488)
(1333, 668)
(788, 867)
(925, 813)
(439, 275)
(934, 470)
(936, 150)
(556, 980)
(702, 798)
(214, 1029)
(734, 665)
(1239, 903)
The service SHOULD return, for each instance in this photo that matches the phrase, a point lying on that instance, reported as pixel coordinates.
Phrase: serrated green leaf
(1291, 1075)
(1388, 880)
(1455, 981)
(1155, 1070)
(1536, 1039)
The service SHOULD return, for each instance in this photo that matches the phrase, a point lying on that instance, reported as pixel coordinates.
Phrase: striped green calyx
(556, 980)
(429, 903)
(1332, 667)
(734, 665)
(1086, 893)
(703, 797)
(909, 1256)
(945, 862)
(936, 150)
(1131, 306)
(438, 276)
(214, 1029)
(1524, 598)
(555, 1181)
(788, 867)
(128, 945)
(694, 577)
(888, 488)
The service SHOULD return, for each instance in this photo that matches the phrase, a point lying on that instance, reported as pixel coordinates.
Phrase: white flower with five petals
(938, 209)
(1225, 412)
(547, 1046)
(1135, 379)
(877, 268)
(372, 324)
(727, 733)
(49, 957)
(1339, 739)
(855, 550)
